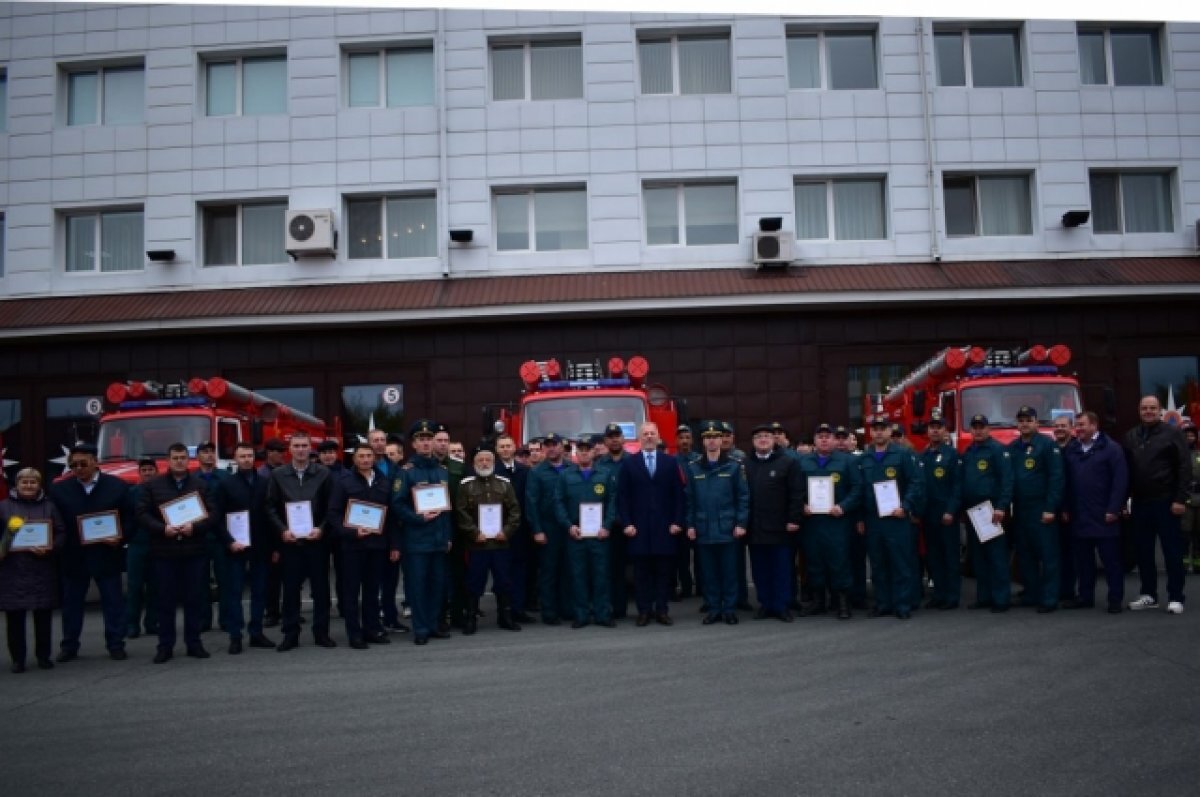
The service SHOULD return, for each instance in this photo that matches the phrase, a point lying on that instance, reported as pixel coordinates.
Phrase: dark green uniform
(986, 475)
(826, 538)
(618, 584)
(889, 539)
(543, 492)
(1037, 467)
(588, 557)
(943, 545)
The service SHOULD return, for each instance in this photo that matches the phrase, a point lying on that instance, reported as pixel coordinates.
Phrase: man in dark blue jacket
(91, 492)
(1097, 482)
(543, 494)
(718, 513)
(521, 545)
(826, 531)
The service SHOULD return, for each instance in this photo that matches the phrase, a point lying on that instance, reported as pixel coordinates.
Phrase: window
(869, 380)
(250, 234)
(692, 64)
(1120, 57)
(111, 95)
(691, 214)
(394, 78)
(543, 70)
(407, 223)
(995, 204)
(832, 60)
(554, 218)
(854, 205)
(980, 57)
(367, 407)
(246, 86)
(104, 241)
(1131, 202)
(10, 437)
(1173, 379)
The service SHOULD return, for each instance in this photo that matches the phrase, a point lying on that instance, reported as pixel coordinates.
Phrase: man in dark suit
(651, 509)
(91, 492)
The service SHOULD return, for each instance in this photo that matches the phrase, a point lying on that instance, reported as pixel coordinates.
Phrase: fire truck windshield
(1001, 402)
(134, 438)
(582, 414)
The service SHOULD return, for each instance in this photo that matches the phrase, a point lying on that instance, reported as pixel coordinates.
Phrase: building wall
(762, 134)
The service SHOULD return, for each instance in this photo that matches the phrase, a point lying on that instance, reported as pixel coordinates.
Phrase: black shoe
(522, 617)
(710, 618)
(731, 618)
(261, 641)
(397, 627)
(1046, 609)
(377, 639)
(132, 632)
(880, 612)
(66, 655)
(579, 623)
(440, 634)
(358, 644)
(610, 623)
(744, 606)
(818, 608)
(904, 614)
(324, 641)
(664, 619)
(843, 603)
(946, 606)
(1114, 608)
(235, 646)
(704, 607)
(18, 667)
(163, 655)
(933, 603)
(118, 654)
(979, 605)
(786, 616)
(643, 620)
(1075, 603)
(999, 609)
(45, 664)
(270, 621)
(761, 614)
(198, 652)
(420, 640)
(290, 642)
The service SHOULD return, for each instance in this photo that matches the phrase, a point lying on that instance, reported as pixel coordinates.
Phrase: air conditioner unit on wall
(310, 232)
(773, 248)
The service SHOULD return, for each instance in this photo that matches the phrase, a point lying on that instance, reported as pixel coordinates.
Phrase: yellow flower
(15, 523)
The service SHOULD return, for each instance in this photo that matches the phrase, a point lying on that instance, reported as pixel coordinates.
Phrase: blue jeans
(718, 575)
(1153, 519)
(112, 602)
(425, 587)
(241, 569)
(772, 569)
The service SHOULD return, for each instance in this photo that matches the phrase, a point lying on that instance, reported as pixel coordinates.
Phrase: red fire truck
(583, 399)
(147, 417)
(969, 380)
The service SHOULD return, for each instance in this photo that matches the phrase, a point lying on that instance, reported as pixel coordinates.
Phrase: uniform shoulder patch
(501, 478)
(407, 466)
(467, 479)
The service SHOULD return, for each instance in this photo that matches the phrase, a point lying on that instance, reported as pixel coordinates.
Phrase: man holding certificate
(97, 512)
(359, 516)
(986, 477)
(718, 514)
(834, 495)
(422, 502)
(297, 506)
(587, 509)
(488, 515)
(939, 520)
(173, 509)
(892, 487)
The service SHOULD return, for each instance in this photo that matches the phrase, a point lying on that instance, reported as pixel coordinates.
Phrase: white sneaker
(1174, 607)
(1143, 602)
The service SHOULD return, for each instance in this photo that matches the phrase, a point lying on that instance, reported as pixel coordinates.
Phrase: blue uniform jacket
(718, 499)
(939, 469)
(986, 475)
(575, 489)
(897, 463)
(542, 498)
(1037, 473)
(421, 535)
(847, 485)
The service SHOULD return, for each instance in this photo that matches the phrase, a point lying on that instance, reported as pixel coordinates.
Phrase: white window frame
(381, 201)
(97, 215)
(530, 192)
(1110, 76)
(211, 59)
(978, 205)
(964, 35)
(831, 204)
(646, 37)
(382, 52)
(240, 205)
(71, 70)
(681, 210)
(527, 67)
(822, 35)
(1120, 174)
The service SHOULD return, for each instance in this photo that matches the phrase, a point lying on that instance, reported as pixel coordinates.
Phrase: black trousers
(15, 628)
(360, 577)
(653, 577)
(305, 561)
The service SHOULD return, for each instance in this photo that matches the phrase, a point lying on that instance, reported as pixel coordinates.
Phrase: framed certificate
(820, 494)
(887, 497)
(99, 527)
(34, 534)
(981, 516)
(299, 518)
(185, 509)
(591, 518)
(238, 524)
(365, 516)
(490, 520)
(431, 498)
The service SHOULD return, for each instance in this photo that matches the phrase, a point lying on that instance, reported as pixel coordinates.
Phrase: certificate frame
(825, 506)
(431, 498)
(888, 489)
(36, 528)
(498, 527)
(181, 510)
(358, 511)
(985, 528)
(595, 508)
(303, 509)
(104, 526)
(244, 513)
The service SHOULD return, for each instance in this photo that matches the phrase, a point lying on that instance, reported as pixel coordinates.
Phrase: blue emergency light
(193, 401)
(582, 384)
(1049, 370)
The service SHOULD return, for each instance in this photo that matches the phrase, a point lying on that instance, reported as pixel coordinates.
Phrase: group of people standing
(451, 525)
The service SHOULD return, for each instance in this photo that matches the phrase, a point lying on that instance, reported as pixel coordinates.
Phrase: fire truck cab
(585, 399)
(966, 381)
(147, 418)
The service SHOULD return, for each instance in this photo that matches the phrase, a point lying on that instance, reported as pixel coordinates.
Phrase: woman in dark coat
(29, 578)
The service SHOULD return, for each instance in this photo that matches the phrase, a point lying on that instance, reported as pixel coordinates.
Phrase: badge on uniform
(771, 473)
(837, 477)
(1030, 464)
(981, 464)
(890, 473)
(938, 458)
(939, 473)
(598, 489)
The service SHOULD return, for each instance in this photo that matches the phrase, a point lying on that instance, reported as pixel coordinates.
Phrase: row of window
(553, 70)
(555, 218)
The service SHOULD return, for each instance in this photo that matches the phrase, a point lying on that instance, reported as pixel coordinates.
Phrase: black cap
(979, 420)
(823, 428)
(762, 427)
(710, 428)
(726, 427)
(480, 449)
(441, 427)
(878, 420)
(1027, 412)
(778, 428)
(327, 445)
(935, 417)
(613, 430)
(424, 427)
(683, 427)
(591, 440)
(553, 439)
(841, 431)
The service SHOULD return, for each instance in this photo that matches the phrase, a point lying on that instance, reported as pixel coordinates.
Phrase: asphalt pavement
(963, 702)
